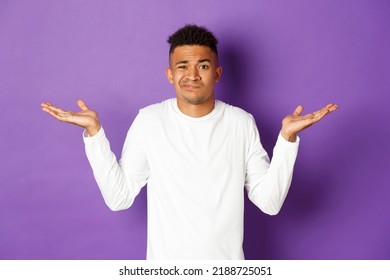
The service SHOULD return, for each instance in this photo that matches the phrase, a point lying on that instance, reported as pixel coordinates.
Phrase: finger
(328, 109)
(52, 108)
(322, 110)
(46, 104)
(47, 109)
(319, 115)
(332, 108)
(64, 116)
(329, 105)
(298, 111)
(82, 105)
(55, 109)
(53, 113)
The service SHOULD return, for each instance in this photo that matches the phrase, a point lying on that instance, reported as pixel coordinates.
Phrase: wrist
(92, 130)
(290, 137)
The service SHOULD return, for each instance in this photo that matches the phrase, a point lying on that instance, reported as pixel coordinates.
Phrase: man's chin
(195, 101)
(193, 98)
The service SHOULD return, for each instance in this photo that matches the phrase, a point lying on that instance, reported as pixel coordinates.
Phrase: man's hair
(193, 35)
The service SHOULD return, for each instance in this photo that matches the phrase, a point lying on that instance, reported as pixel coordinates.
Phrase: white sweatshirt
(196, 170)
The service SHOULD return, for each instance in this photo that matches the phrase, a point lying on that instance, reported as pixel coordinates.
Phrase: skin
(193, 71)
(295, 123)
(85, 118)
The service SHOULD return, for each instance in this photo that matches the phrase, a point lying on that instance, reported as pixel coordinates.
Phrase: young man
(196, 154)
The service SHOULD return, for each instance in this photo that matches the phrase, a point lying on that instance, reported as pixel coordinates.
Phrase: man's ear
(168, 72)
(218, 74)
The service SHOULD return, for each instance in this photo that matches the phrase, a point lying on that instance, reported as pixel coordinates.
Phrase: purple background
(275, 54)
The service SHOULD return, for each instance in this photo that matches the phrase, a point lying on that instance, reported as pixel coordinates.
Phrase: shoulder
(155, 110)
(156, 107)
(236, 114)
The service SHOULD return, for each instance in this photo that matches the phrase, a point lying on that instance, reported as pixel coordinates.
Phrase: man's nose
(193, 73)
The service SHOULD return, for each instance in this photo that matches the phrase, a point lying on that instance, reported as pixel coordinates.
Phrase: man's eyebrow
(204, 60)
(199, 61)
(181, 62)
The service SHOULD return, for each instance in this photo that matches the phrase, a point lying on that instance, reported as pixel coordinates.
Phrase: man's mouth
(191, 85)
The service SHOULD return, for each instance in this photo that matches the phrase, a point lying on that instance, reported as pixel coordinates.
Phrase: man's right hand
(86, 118)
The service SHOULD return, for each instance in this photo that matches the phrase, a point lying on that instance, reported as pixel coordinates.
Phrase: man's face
(193, 70)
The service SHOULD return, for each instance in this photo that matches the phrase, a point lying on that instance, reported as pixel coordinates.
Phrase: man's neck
(196, 110)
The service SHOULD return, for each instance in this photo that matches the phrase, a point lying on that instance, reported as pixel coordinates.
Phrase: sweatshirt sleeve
(119, 182)
(267, 183)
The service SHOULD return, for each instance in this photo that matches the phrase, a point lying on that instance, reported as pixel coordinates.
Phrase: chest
(197, 145)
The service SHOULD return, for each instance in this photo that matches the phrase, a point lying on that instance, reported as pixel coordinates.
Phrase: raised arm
(86, 118)
(121, 182)
(268, 182)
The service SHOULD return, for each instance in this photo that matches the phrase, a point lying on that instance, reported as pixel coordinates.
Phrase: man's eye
(203, 66)
(182, 67)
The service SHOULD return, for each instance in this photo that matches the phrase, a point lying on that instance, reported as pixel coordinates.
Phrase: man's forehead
(192, 52)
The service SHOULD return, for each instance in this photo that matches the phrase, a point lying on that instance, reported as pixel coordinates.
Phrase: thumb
(82, 105)
(298, 111)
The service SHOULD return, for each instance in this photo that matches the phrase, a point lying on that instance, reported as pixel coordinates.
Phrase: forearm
(117, 189)
(269, 189)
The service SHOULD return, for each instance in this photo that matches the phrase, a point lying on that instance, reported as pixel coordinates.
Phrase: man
(196, 154)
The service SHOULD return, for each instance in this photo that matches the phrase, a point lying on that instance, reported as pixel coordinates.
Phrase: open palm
(294, 123)
(85, 118)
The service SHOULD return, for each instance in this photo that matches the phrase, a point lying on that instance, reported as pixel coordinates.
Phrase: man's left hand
(292, 124)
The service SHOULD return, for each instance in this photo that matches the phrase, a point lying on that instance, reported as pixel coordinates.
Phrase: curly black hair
(193, 35)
